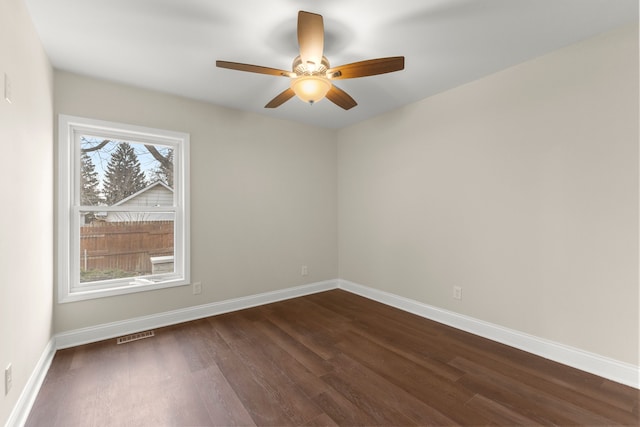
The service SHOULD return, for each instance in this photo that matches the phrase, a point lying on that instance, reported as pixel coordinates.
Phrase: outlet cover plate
(7, 88)
(197, 288)
(8, 378)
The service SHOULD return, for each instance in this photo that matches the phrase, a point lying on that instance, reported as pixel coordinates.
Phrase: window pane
(125, 173)
(115, 245)
(129, 212)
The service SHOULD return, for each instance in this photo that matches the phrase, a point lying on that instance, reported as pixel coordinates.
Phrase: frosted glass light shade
(311, 89)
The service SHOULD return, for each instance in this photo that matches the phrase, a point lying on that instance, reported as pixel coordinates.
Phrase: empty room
(303, 212)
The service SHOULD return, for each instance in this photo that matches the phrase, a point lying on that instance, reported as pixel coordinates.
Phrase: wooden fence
(126, 246)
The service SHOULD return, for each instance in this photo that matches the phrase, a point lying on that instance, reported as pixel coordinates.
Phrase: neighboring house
(155, 195)
(136, 242)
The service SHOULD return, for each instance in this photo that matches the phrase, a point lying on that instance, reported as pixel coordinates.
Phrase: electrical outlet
(304, 270)
(7, 88)
(8, 379)
(197, 288)
(457, 292)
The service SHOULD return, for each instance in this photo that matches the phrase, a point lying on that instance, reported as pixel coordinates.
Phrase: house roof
(144, 190)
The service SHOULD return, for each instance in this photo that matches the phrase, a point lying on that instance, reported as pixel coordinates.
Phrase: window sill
(79, 294)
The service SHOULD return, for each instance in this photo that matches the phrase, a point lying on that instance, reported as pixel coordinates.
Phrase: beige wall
(263, 198)
(522, 188)
(26, 216)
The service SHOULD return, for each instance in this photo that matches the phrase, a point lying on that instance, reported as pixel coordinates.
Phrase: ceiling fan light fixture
(310, 89)
(311, 73)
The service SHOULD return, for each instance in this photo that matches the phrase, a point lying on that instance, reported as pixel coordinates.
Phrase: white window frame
(68, 214)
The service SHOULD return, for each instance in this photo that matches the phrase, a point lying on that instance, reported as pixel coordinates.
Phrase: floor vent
(135, 337)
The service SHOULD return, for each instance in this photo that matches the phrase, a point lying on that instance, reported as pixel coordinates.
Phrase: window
(123, 208)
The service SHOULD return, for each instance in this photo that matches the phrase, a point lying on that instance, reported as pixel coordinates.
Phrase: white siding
(153, 196)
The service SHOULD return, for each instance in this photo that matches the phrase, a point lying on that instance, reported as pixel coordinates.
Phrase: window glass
(121, 244)
(124, 191)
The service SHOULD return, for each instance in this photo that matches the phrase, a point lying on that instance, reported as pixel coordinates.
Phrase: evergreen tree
(164, 171)
(124, 175)
(89, 183)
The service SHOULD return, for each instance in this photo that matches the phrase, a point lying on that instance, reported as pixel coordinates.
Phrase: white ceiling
(172, 45)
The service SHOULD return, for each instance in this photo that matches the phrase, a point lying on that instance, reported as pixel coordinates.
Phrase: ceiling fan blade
(310, 37)
(370, 67)
(253, 69)
(281, 98)
(340, 98)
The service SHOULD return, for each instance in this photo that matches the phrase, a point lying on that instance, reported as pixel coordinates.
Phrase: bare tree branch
(152, 150)
(159, 157)
(97, 147)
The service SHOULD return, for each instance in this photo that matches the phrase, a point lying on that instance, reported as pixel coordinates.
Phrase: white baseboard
(23, 406)
(611, 369)
(138, 324)
(605, 367)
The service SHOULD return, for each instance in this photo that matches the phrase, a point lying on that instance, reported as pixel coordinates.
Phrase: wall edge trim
(611, 369)
(22, 408)
(115, 329)
(601, 366)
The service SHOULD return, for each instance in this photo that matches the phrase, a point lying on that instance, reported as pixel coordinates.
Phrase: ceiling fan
(311, 78)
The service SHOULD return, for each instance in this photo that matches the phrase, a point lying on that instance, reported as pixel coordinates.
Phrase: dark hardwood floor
(326, 359)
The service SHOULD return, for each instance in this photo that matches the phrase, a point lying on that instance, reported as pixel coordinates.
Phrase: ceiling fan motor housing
(310, 68)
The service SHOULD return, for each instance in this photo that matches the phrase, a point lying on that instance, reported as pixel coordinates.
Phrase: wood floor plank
(258, 398)
(460, 342)
(332, 358)
(191, 339)
(625, 398)
(540, 382)
(174, 401)
(304, 331)
(366, 311)
(385, 394)
(287, 395)
(222, 403)
(426, 385)
(310, 383)
(259, 402)
(79, 411)
(343, 411)
(322, 420)
(497, 413)
(299, 352)
(515, 394)
(269, 389)
(362, 398)
(415, 349)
